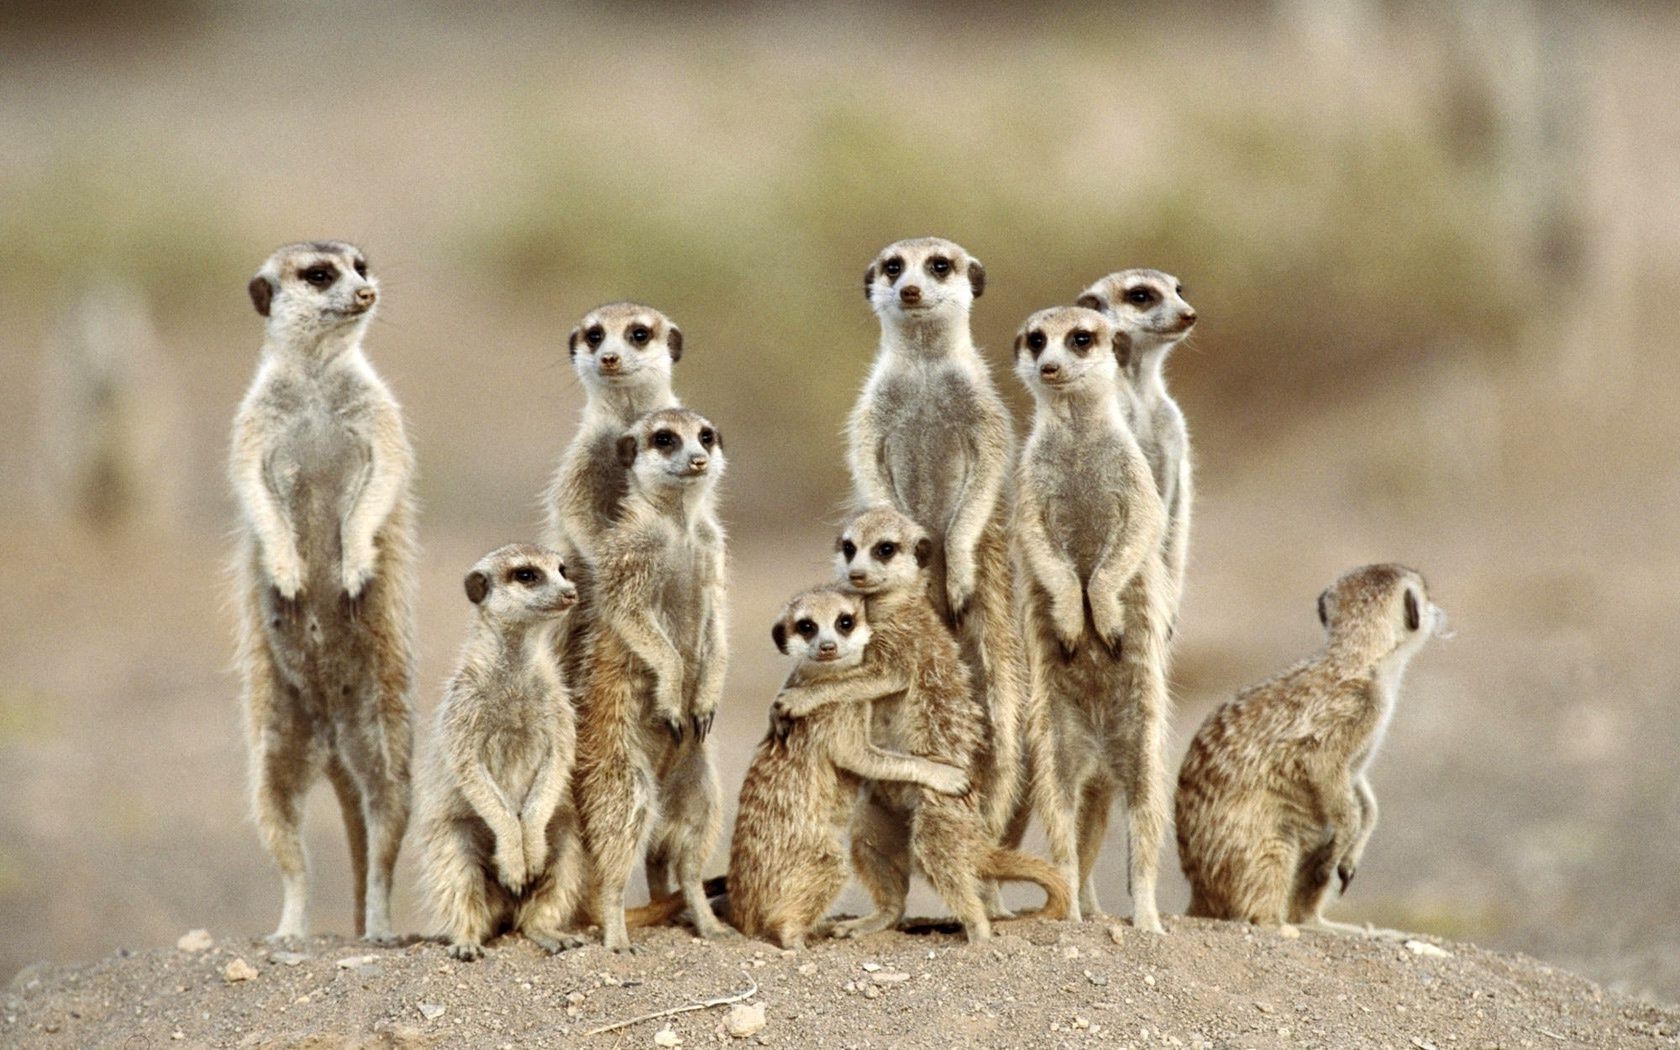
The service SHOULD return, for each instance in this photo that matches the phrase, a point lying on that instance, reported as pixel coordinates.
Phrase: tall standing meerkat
(322, 469)
(1149, 309)
(1088, 524)
(653, 672)
(498, 830)
(884, 556)
(931, 436)
(1273, 798)
(787, 859)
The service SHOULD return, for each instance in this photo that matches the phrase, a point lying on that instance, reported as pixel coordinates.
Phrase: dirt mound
(1037, 984)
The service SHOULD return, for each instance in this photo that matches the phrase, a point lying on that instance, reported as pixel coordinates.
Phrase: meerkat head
(672, 448)
(923, 279)
(520, 583)
(624, 345)
(881, 550)
(1066, 350)
(313, 289)
(824, 625)
(1148, 306)
(1380, 609)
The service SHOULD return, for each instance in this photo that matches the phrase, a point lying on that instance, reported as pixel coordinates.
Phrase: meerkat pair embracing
(885, 556)
(322, 470)
(653, 671)
(1273, 800)
(1151, 317)
(931, 437)
(1088, 525)
(787, 859)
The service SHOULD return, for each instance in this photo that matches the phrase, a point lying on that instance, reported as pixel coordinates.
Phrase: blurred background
(1435, 248)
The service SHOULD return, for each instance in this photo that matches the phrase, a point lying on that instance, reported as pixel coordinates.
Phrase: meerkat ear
(778, 634)
(1413, 618)
(924, 552)
(1090, 302)
(478, 585)
(717, 435)
(1020, 343)
(1122, 347)
(1324, 607)
(868, 279)
(673, 341)
(627, 449)
(571, 342)
(977, 277)
(262, 294)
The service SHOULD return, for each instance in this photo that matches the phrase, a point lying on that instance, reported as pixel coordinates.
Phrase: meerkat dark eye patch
(673, 343)
(845, 623)
(893, 267)
(664, 439)
(778, 634)
(806, 628)
(706, 437)
(1080, 340)
(924, 552)
(938, 266)
(321, 275)
(1413, 616)
(977, 279)
(1091, 302)
(262, 294)
(885, 550)
(361, 267)
(1141, 296)
(638, 334)
(594, 334)
(1036, 342)
(478, 585)
(848, 549)
(526, 575)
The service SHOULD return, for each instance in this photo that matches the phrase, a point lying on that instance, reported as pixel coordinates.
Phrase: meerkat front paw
(1345, 872)
(286, 574)
(1067, 616)
(667, 711)
(949, 780)
(466, 951)
(959, 585)
(510, 866)
(536, 850)
(701, 722)
(357, 570)
(1110, 621)
(554, 942)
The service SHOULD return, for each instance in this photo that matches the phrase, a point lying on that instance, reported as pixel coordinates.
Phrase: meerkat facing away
(653, 673)
(322, 471)
(1088, 525)
(498, 829)
(931, 436)
(1149, 309)
(884, 556)
(1273, 798)
(787, 859)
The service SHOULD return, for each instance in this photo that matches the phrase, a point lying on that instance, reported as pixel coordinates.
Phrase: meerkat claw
(1345, 873)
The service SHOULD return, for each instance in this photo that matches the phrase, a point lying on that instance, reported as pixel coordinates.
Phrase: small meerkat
(499, 832)
(653, 672)
(1088, 525)
(787, 859)
(1149, 309)
(322, 471)
(1273, 798)
(931, 436)
(884, 556)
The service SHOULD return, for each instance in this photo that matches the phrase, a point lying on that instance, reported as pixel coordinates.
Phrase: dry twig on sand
(696, 1004)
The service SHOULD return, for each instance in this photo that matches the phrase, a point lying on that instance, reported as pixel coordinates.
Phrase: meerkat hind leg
(355, 828)
(881, 857)
(285, 770)
(1094, 805)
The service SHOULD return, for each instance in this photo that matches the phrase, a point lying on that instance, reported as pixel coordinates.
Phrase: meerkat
(787, 858)
(1149, 309)
(499, 832)
(322, 470)
(1273, 797)
(1088, 524)
(653, 672)
(931, 436)
(885, 556)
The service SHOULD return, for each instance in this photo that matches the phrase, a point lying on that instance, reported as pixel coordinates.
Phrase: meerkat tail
(661, 910)
(1008, 865)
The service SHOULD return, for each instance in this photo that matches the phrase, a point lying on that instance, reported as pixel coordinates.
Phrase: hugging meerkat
(787, 859)
(1088, 526)
(931, 436)
(498, 830)
(653, 672)
(884, 556)
(1273, 799)
(322, 470)
(1149, 310)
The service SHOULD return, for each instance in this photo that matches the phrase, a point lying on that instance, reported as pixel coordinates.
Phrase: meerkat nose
(827, 647)
(1049, 371)
(910, 294)
(699, 461)
(365, 295)
(857, 576)
(609, 360)
(1188, 318)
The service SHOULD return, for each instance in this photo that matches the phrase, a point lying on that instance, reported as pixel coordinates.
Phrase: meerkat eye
(320, 276)
(845, 623)
(361, 267)
(594, 335)
(527, 575)
(664, 439)
(939, 266)
(885, 550)
(640, 334)
(1140, 296)
(707, 437)
(1035, 342)
(848, 549)
(1082, 339)
(806, 628)
(1179, 291)
(893, 267)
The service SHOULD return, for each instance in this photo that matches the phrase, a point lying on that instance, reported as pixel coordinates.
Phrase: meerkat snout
(910, 295)
(365, 296)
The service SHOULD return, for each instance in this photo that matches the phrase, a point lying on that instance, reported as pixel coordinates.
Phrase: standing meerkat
(499, 832)
(931, 436)
(1149, 309)
(1088, 524)
(653, 674)
(787, 859)
(884, 556)
(322, 470)
(1273, 798)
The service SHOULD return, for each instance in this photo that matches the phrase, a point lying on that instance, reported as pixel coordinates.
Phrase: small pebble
(890, 978)
(350, 962)
(1116, 932)
(872, 992)
(807, 969)
(1289, 933)
(431, 1011)
(666, 1037)
(194, 941)
(288, 958)
(239, 970)
(1264, 1008)
(871, 967)
(744, 1019)
(1426, 949)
